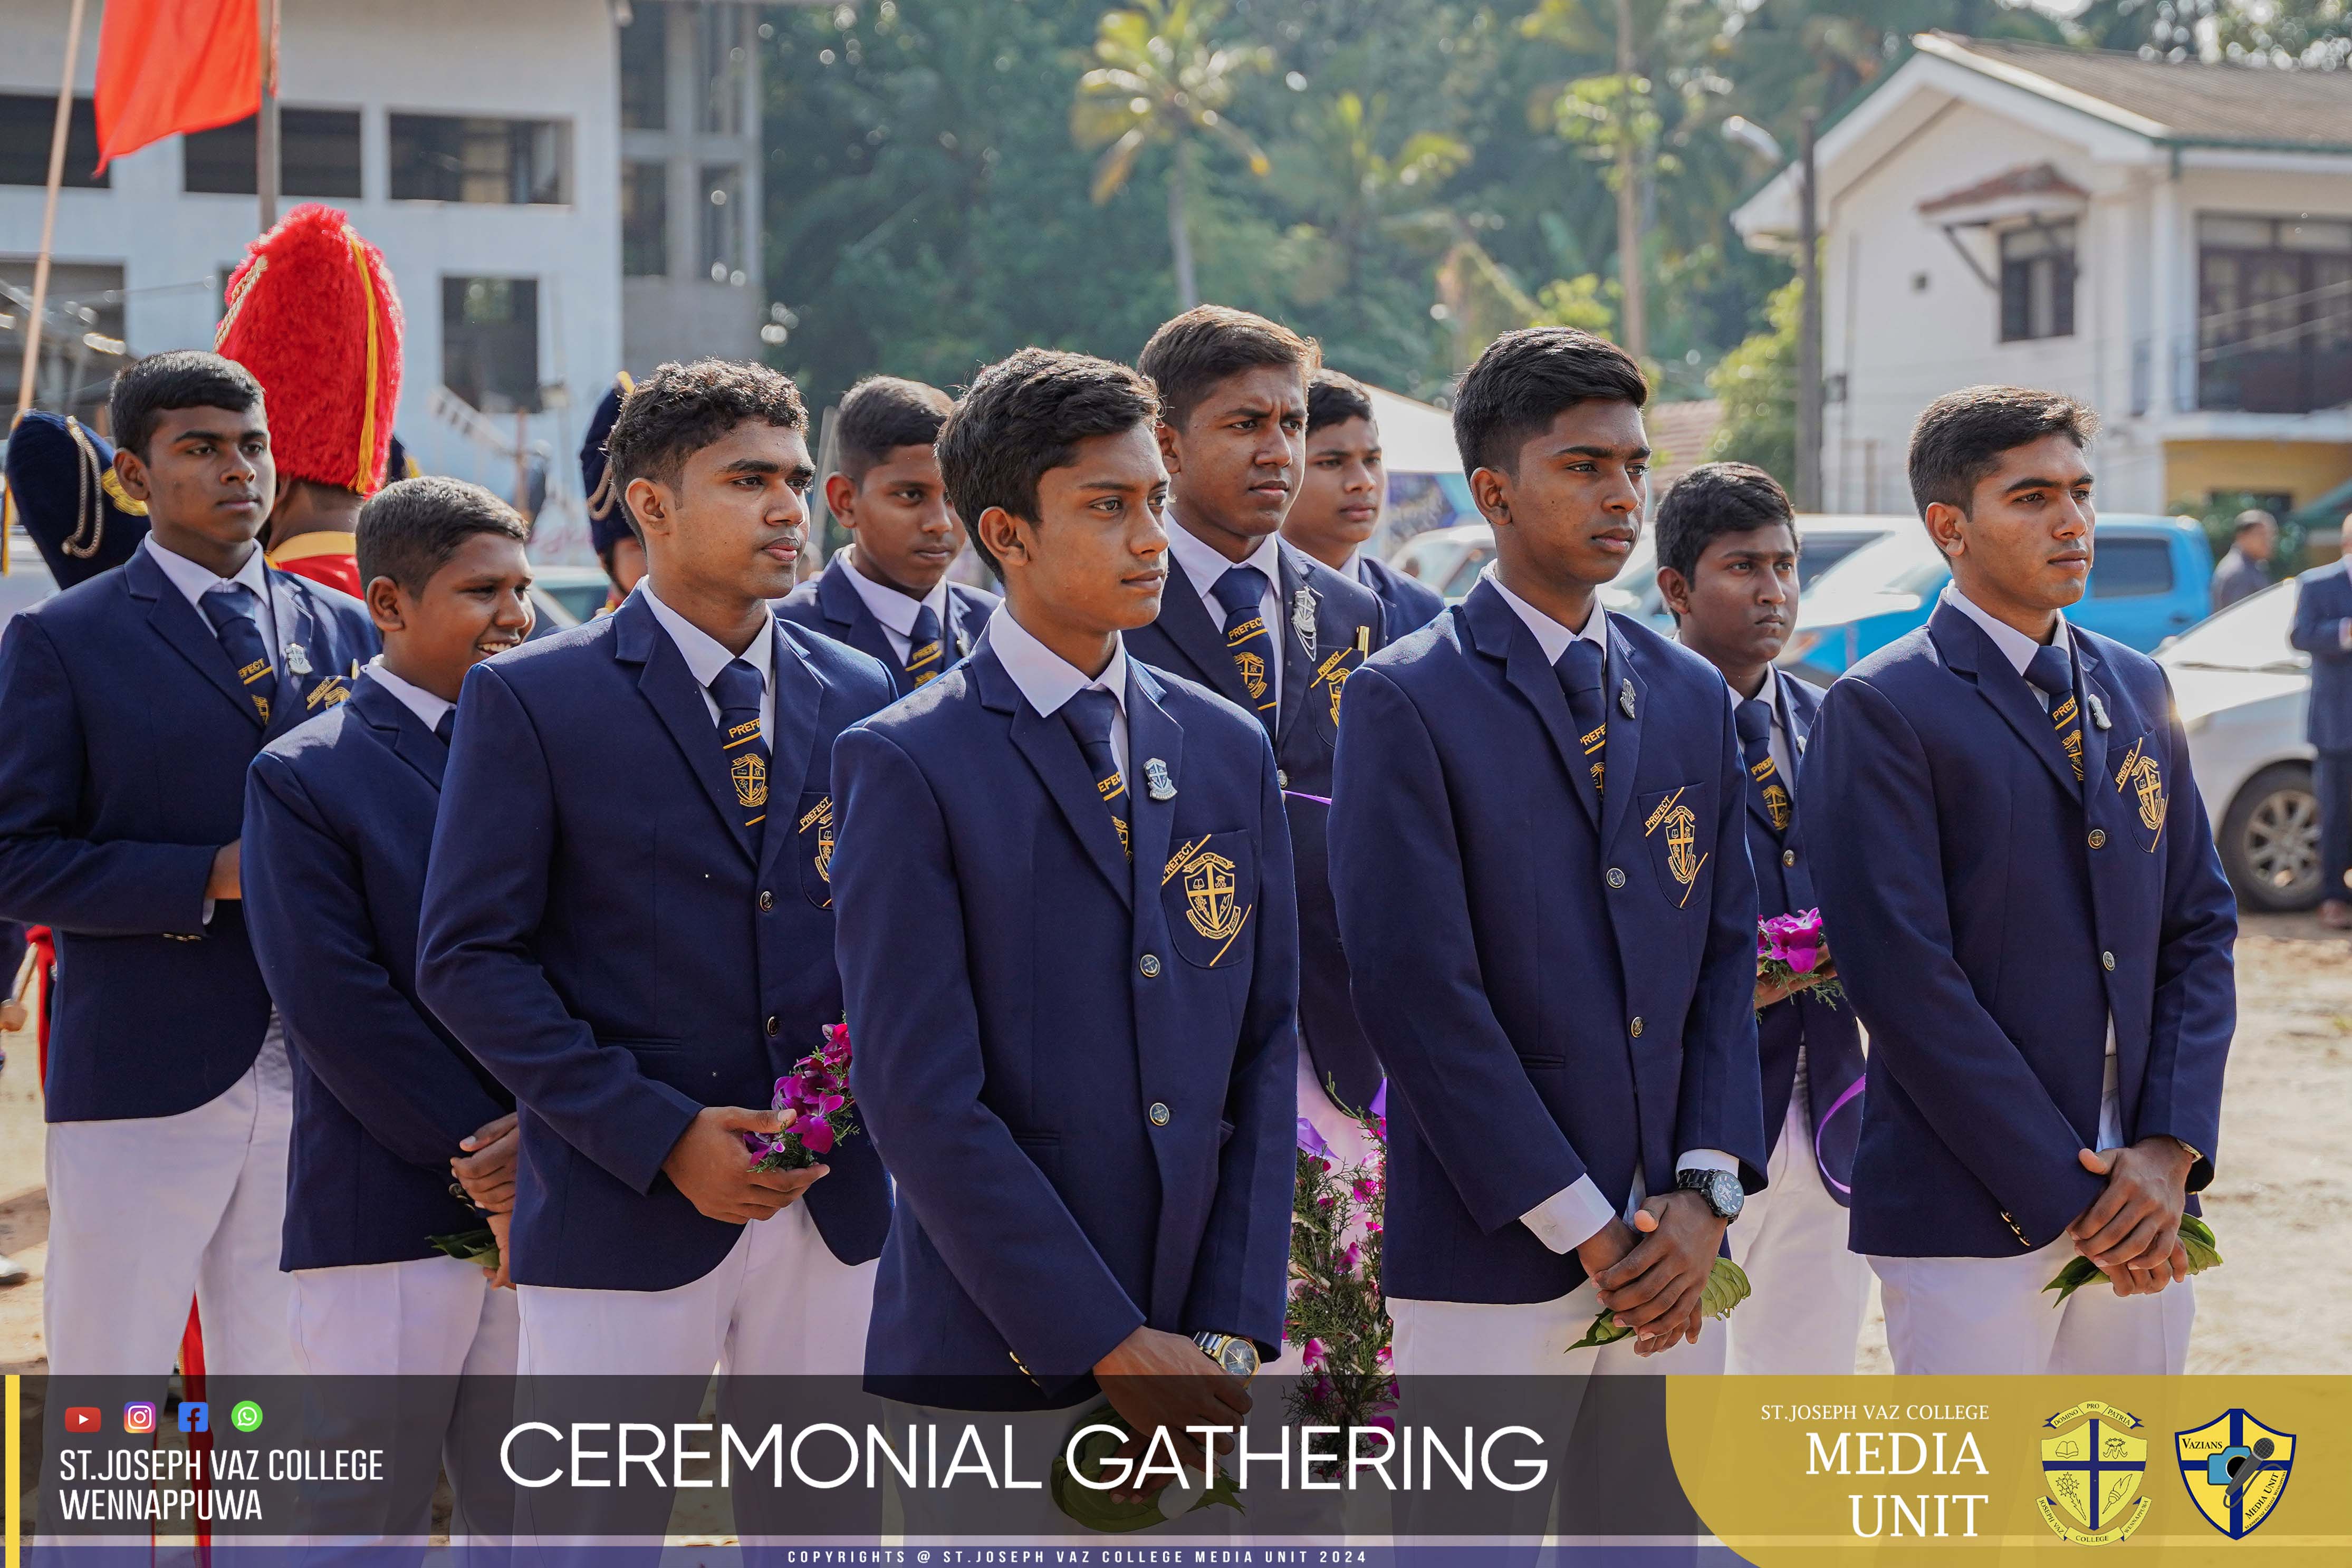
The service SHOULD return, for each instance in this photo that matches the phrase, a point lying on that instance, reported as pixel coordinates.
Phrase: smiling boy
(2021, 890)
(889, 594)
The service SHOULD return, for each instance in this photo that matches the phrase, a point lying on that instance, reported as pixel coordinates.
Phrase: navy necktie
(1090, 715)
(1754, 719)
(925, 654)
(2052, 673)
(738, 690)
(445, 726)
(1241, 592)
(1580, 670)
(235, 617)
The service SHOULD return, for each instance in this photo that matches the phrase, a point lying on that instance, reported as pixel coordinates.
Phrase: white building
(2171, 243)
(562, 189)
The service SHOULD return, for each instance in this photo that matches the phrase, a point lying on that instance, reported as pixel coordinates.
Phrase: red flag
(169, 65)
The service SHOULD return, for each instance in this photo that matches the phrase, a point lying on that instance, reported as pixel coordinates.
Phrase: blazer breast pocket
(1329, 687)
(813, 846)
(1209, 890)
(1677, 828)
(2138, 788)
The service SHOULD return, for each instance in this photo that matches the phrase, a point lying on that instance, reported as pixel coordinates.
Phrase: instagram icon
(138, 1416)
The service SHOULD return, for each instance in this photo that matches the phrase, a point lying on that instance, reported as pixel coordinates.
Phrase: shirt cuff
(1571, 1216)
(1705, 1160)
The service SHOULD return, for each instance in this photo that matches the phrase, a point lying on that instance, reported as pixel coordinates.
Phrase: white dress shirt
(705, 656)
(896, 613)
(1047, 680)
(1577, 1212)
(1202, 565)
(194, 581)
(415, 698)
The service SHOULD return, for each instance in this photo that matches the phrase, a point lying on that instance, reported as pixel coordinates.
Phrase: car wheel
(2270, 840)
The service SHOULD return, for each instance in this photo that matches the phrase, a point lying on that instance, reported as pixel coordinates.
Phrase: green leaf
(2196, 1239)
(1603, 1332)
(1726, 1287)
(2077, 1273)
(469, 1247)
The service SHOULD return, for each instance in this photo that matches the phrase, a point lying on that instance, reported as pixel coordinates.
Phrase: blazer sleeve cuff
(635, 1147)
(1571, 1216)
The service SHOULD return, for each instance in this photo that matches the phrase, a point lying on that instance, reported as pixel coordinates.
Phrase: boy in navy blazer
(1263, 625)
(627, 918)
(133, 703)
(889, 594)
(2020, 890)
(1728, 569)
(1070, 951)
(1343, 490)
(2323, 629)
(388, 1107)
(1539, 849)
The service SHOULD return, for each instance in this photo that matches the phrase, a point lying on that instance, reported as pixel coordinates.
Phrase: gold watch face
(1239, 1356)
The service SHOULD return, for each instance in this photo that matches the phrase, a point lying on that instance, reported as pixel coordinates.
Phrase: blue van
(2151, 578)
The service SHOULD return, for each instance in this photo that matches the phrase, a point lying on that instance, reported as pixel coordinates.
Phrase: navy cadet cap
(608, 520)
(62, 489)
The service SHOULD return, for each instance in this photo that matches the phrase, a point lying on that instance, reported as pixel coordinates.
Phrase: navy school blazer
(2323, 602)
(1407, 603)
(123, 773)
(828, 604)
(1827, 1033)
(338, 820)
(1189, 639)
(1989, 914)
(1551, 1001)
(604, 934)
(1083, 1073)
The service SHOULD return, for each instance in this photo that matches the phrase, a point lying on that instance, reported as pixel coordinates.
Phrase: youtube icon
(84, 1418)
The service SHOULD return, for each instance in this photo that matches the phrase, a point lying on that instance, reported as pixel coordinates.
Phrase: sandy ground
(2277, 1207)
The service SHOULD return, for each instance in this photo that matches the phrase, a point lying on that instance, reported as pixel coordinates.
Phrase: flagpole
(25, 378)
(265, 137)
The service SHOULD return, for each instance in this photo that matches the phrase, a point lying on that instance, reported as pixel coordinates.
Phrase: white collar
(427, 707)
(2015, 645)
(1203, 566)
(892, 608)
(705, 655)
(1047, 679)
(195, 580)
(1551, 635)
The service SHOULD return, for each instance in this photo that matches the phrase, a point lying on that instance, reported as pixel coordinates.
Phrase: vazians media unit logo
(2235, 1469)
(2092, 1465)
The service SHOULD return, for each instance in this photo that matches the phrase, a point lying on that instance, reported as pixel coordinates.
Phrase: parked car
(2151, 578)
(566, 596)
(2241, 692)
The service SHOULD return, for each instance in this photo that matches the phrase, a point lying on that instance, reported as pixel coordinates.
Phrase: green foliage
(2196, 1241)
(2217, 514)
(1756, 384)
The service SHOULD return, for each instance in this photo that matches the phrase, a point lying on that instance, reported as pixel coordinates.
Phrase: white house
(2171, 243)
(562, 189)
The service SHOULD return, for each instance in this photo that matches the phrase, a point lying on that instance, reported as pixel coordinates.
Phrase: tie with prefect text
(2052, 673)
(235, 615)
(1090, 715)
(1580, 670)
(1754, 718)
(925, 654)
(738, 690)
(1241, 592)
(445, 726)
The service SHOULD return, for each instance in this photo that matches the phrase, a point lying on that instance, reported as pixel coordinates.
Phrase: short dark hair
(680, 409)
(1334, 398)
(1026, 414)
(1959, 437)
(179, 378)
(1193, 352)
(881, 414)
(2253, 518)
(1714, 499)
(409, 529)
(1523, 381)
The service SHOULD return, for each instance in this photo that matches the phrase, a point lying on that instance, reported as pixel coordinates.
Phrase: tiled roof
(2026, 180)
(2184, 100)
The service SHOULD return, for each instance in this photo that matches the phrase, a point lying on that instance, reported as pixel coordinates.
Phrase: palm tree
(1159, 80)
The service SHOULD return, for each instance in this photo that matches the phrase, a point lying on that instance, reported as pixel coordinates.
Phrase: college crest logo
(749, 774)
(1209, 902)
(819, 817)
(1253, 668)
(2141, 775)
(1335, 672)
(2093, 1464)
(2235, 1469)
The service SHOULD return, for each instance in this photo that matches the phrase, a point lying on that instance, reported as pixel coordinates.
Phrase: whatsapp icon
(245, 1416)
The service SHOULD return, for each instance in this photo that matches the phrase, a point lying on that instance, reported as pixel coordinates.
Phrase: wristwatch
(1235, 1353)
(1721, 1189)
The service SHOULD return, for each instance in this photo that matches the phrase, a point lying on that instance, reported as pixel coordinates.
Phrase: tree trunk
(1180, 239)
(1634, 320)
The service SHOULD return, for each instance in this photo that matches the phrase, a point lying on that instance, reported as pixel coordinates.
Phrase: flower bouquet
(1790, 947)
(1337, 1315)
(2196, 1239)
(817, 1091)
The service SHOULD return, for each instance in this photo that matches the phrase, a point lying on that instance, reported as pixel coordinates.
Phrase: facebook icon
(195, 1416)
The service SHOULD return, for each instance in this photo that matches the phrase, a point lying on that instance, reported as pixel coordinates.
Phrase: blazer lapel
(792, 737)
(1152, 734)
(176, 621)
(1297, 669)
(969, 618)
(1968, 650)
(677, 702)
(2096, 700)
(1053, 754)
(853, 622)
(1200, 636)
(297, 628)
(1495, 627)
(401, 730)
(1622, 754)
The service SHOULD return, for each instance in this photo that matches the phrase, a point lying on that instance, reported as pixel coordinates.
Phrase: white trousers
(1805, 1317)
(1989, 1316)
(146, 1211)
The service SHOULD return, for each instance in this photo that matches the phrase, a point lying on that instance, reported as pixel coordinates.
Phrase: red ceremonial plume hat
(313, 313)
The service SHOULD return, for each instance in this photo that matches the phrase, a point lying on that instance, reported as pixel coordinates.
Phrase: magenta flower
(816, 1134)
(1315, 1355)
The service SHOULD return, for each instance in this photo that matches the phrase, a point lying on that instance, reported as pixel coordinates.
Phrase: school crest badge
(2235, 1469)
(1209, 902)
(1332, 674)
(2146, 781)
(2092, 1465)
(1776, 803)
(749, 774)
(819, 817)
(1253, 669)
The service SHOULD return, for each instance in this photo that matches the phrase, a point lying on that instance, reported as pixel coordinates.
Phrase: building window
(489, 341)
(722, 223)
(645, 67)
(722, 64)
(2037, 282)
(318, 155)
(2273, 314)
(644, 218)
(27, 120)
(449, 158)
